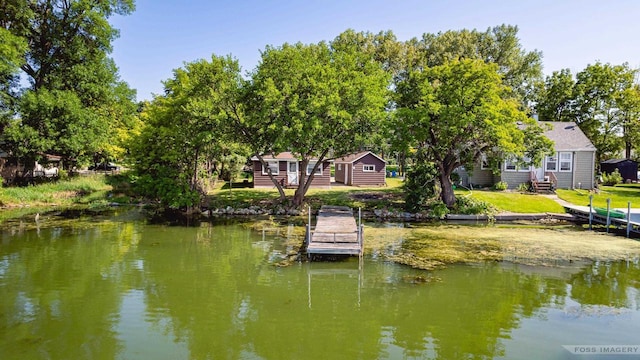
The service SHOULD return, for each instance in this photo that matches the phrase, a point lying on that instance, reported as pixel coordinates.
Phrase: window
(520, 165)
(369, 168)
(339, 166)
(565, 161)
(274, 165)
(551, 163)
(484, 163)
(310, 166)
(510, 165)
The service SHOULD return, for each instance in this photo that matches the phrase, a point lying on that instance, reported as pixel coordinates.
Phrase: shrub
(612, 179)
(63, 175)
(471, 206)
(523, 187)
(439, 210)
(501, 186)
(420, 186)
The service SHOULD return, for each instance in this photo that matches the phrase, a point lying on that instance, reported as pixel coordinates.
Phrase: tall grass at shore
(63, 192)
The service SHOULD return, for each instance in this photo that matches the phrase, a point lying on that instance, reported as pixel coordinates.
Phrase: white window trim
(570, 161)
(340, 167)
(310, 166)
(277, 167)
(484, 164)
(516, 167)
(372, 168)
(510, 162)
(546, 162)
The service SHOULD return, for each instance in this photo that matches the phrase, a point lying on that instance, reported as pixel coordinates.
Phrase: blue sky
(161, 35)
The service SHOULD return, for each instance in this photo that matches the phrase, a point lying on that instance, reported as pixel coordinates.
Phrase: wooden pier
(335, 233)
(631, 222)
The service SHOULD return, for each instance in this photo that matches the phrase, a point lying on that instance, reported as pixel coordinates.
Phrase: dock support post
(590, 211)
(360, 237)
(628, 218)
(608, 216)
(308, 239)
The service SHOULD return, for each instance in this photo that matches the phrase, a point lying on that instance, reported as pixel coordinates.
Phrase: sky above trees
(163, 34)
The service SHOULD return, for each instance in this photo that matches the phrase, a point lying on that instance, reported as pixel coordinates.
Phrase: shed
(361, 169)
(627, 168)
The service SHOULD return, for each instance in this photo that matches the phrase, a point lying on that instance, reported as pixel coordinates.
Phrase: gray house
(361, 169)
(571, 167)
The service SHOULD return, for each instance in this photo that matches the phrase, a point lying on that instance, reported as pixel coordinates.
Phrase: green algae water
(120, 288)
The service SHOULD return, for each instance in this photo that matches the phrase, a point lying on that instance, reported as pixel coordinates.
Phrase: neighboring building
(361, 169)
(11, 169)
(627, 168)
(287, 169)
(571, 167)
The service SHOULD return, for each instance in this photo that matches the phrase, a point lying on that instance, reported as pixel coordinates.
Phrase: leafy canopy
(184, 129)
(456, 112)
(74, 91)
(310, 99)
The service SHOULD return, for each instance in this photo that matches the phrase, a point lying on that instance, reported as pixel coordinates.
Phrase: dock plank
(336, 232)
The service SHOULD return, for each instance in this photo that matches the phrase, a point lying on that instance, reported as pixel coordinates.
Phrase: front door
(292, 173)
(539, 174)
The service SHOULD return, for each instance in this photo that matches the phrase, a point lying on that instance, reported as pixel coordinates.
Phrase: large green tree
(629, 105)
(600, 92)
(74, 89)
(555, 100)
(11, 49)
(313, 99)
(603, 99)
(520, 69)
(454, 113)
(184, 129)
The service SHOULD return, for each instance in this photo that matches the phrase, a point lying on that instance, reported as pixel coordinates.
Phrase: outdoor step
(543, 186)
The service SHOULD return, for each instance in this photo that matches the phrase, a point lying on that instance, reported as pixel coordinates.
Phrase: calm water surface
(124, 289)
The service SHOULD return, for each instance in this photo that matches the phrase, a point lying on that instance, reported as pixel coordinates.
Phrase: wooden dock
(335, 233)
(588, 214)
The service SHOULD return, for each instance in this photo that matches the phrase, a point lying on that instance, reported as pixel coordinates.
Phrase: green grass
(515, 202)
(620, 195)
(82, 190)
(390, 196)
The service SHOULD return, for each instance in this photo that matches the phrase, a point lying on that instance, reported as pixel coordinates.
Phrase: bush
(612, 179)
(523, 187)
(420, 186)
(439, 210)
(63, 175)
(501, 186)
(471, 206)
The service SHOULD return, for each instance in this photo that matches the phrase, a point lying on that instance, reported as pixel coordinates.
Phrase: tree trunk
(447, 195)
(275, 181)
(303, 184)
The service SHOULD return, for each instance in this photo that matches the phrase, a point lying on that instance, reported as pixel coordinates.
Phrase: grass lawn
(81, 189)
(619, 195)
(514, 201)
(390, 196)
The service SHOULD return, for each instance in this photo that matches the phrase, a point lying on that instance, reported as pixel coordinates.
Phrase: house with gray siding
(572, 166)
(287, 169)
(361, 169)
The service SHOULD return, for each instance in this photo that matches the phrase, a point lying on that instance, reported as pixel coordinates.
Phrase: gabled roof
(567, 136)
(351, 158)
(284, 156)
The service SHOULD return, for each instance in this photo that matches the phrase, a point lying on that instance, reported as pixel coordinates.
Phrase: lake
(119, 287)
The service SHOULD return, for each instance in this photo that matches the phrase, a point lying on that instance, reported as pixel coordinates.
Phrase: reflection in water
(126, 290)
